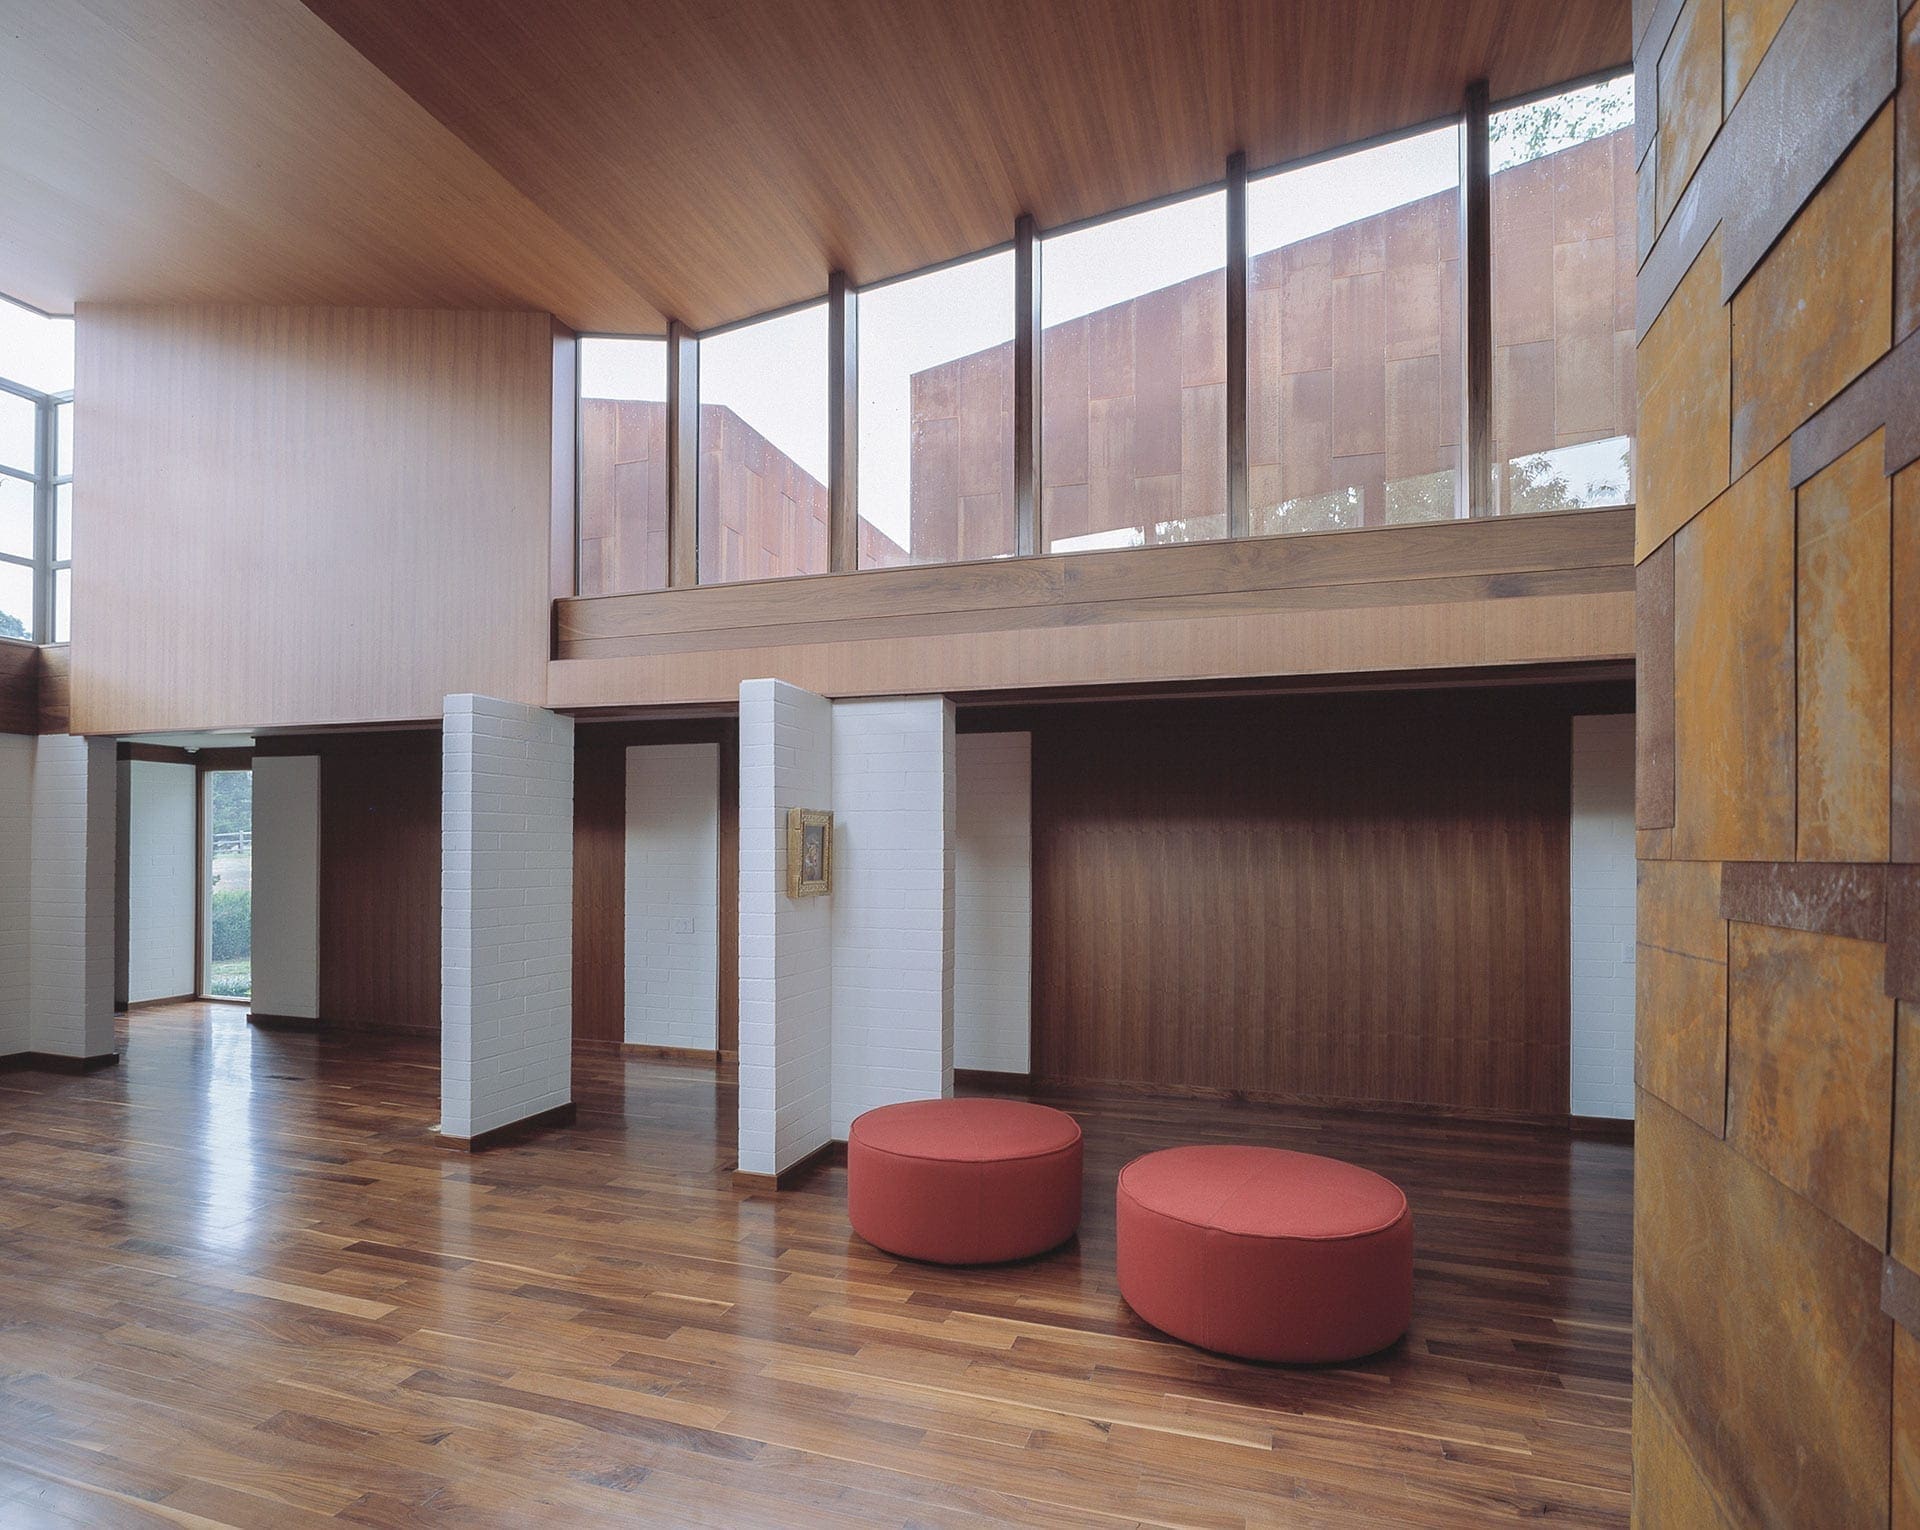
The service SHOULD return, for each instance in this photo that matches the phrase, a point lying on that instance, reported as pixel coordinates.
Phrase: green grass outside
(231, 979)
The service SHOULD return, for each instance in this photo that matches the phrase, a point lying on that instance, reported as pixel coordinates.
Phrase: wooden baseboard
(648, 1053)
(53, 1062)
(828, 1153)
(986, 1078)
(179, 998)
(1406, 1110)
(513, 1131)
(1612, 1128)
(284, 1022)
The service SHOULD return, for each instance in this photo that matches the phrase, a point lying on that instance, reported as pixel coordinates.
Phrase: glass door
(227, 954)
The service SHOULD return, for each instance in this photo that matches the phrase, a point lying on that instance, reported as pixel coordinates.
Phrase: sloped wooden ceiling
(709, 159)
(240, 150)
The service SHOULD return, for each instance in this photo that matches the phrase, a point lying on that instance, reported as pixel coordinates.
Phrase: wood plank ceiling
(705, 159)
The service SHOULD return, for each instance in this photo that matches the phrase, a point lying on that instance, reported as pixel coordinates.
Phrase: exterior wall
(286, 886)
(1601, 883)
(16, 892)
(993, 902)
(506, 1043)
(1353, 341)
(772, 513)
(1563, 303)
(163, 873)
(786, 944)
(75, 789)
(893, 903)
(672, 888)
(1778, 1130)
(623, 496)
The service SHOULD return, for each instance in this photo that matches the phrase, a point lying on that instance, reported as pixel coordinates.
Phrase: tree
(230, 801)
(1540, 483)
(12, 627)
(1559, 122)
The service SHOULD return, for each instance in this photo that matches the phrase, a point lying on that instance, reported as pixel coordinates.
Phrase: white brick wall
(893, 903)
(16, 901)
(286, 885)
(993, 903)
(506, 981)
(1602, 871)
(672, 881)
(786, 944)
(163, 873)
(75, 788)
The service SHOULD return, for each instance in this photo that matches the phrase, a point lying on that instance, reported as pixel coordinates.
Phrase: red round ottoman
(1266, 1254)
(964, 1181)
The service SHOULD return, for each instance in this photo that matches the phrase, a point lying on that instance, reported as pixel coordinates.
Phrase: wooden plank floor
(242, 1284)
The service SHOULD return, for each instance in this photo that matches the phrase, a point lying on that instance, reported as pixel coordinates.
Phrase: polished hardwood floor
(241, 1283)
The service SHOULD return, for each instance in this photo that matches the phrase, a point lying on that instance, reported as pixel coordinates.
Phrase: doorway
(226, 859)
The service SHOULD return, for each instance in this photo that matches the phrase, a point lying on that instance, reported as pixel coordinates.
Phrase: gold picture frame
(809, 853)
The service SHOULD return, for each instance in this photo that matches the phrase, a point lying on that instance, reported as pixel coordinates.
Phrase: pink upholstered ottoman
(964, 1181)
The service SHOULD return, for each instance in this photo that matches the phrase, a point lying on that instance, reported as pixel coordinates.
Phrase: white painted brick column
(75, 830)
(993, 903)
(506, 914)
(286, 886)
(16, 892)
(786, 944)
(1601, 868)
(893, 903)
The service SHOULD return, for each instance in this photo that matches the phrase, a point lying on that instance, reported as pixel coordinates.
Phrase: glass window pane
(1354, 339)
(763, 449)
(623, 466)
(229, 865)
(34, 351)
(63, 451)
(63, 605)
(1133, 379)
(19, 433)
(1563, 312)
(936, 416)
(16, 601)
(63, 523)
(16, 517)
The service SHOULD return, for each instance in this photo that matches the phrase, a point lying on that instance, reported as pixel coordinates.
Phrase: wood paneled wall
(1778, 1149)
(1531, 589)
(303, 516)
(33, 688)
(380, 874)
(599, 870)
(379, 879)
(1343, 897)
(19, 688)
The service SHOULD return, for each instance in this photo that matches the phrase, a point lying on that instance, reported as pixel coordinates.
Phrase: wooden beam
(1474, 496)
(1029, 534)
(843, 424)
(1239, 518)
(683, 456)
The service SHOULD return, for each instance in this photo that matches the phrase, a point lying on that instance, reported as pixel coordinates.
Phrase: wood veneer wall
(599, 871)
(332, 515)
(1345, 897)
(379, 878)
(1777, 1215)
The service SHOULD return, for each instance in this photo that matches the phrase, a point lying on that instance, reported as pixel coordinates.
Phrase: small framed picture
(809, 853)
